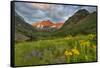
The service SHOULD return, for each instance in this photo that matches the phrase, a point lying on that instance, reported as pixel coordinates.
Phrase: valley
(47, 42)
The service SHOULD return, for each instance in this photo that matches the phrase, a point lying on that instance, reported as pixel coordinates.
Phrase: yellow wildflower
(75, 51)
(94, 46)
(84, 43)
(67, 53)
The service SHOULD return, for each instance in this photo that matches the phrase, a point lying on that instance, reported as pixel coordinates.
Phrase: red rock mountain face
(48, 24)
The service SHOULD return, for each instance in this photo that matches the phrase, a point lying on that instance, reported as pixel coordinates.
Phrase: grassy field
(69, 49)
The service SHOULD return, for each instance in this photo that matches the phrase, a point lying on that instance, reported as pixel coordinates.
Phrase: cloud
(33, 12)
(41, 6)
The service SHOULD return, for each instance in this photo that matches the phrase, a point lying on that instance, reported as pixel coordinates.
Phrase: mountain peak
(80, 14)
(82, 11)
(46, 23)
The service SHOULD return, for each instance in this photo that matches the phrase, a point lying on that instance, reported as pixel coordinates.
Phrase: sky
(34, 12)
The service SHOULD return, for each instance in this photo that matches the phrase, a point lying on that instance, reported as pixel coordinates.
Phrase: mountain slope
(23, 29)
(82, 24)
(79, 15)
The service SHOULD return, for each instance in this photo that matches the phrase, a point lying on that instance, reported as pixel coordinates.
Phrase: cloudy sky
(33, 12)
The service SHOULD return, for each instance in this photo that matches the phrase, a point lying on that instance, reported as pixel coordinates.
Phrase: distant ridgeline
(47, 25)
(82, 22)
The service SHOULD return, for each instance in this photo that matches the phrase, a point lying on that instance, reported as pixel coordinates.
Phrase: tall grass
(70, 49)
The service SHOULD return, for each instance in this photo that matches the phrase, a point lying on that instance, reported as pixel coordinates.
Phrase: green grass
(52, 51)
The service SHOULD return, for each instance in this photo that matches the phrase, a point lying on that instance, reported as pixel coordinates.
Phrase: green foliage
(51, 51)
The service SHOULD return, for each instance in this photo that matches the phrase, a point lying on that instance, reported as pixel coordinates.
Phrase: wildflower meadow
(69, 49)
